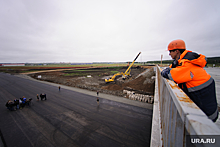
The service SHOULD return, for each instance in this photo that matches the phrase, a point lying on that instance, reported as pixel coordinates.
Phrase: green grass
(80, 65)
(32, 68)
(211, 65)
(75, 74)
(77, 70)
(115, 65)
(114, 72)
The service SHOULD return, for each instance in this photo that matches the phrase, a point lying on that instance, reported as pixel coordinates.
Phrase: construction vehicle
(124, 75)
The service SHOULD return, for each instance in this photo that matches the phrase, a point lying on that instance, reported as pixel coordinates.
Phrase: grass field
(25, 69)
(32, 68)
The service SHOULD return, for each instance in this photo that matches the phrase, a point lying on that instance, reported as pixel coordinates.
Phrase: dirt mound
(113, 87)
(139, 84)
(143, 83)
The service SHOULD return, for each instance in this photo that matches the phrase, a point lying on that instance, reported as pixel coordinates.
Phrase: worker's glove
(165, 73)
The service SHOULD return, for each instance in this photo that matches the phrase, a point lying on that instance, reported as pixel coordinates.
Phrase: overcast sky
(105, 30)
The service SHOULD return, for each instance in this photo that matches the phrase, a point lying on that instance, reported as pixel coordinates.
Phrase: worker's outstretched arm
(165, 73)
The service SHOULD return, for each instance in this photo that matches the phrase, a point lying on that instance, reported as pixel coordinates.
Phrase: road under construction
(120, 102)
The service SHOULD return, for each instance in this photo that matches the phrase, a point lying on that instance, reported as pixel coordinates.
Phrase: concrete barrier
(176, 117)
(139, 97)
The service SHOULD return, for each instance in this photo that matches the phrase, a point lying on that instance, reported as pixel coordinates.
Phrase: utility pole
(161, 60)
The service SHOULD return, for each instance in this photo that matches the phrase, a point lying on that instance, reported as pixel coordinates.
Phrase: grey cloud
(87, 31)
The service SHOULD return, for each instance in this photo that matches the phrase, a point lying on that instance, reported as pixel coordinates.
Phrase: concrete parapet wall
(176, 118)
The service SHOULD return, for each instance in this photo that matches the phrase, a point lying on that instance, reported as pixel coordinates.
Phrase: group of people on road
(22, 102)
(42, 96)
(18, 103)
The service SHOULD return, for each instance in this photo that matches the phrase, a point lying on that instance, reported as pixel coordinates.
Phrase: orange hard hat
(176, 44)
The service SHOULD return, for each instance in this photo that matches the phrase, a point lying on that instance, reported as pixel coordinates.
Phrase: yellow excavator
(124, 75)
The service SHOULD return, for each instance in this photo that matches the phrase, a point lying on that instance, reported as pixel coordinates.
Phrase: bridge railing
(176, 118)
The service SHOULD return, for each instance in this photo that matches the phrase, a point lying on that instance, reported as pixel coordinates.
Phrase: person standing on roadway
(97, 101)
(97, 93)
(37, 97)
(187, 70)
(24, 100)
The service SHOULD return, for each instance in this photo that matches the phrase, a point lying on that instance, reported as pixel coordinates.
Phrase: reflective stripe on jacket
(190, 71)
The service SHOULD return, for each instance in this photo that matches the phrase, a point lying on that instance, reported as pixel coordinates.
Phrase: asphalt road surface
(69, 118)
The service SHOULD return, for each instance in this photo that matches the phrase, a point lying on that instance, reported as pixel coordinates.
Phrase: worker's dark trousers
(205, 99)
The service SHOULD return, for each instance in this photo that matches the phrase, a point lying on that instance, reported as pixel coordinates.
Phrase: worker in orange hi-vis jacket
(187, 70)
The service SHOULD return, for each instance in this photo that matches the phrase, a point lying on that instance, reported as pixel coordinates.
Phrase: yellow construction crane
(124, 75)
